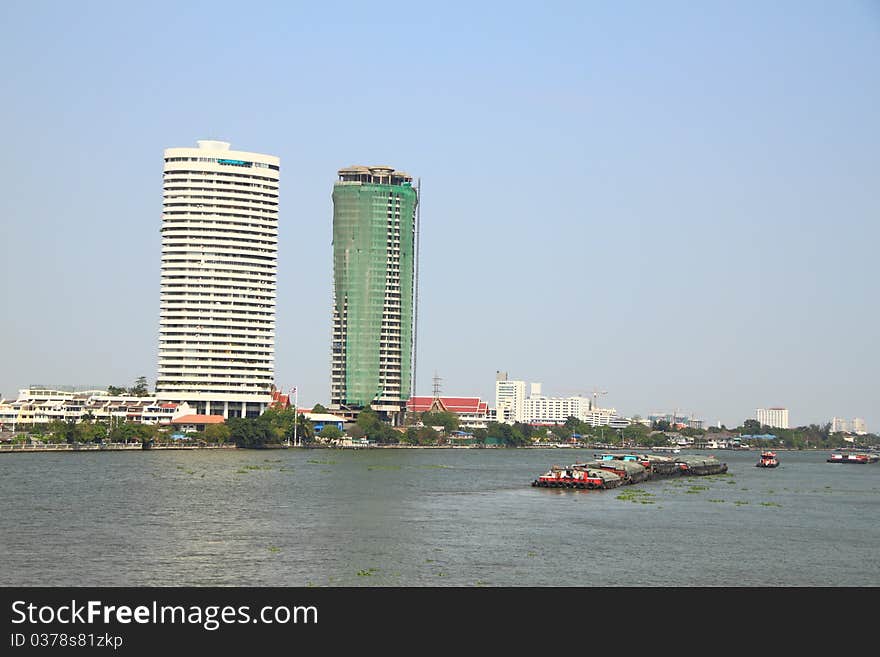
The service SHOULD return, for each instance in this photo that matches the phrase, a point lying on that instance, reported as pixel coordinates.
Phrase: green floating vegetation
(383, 467)
(273, 549)
(367, 572)
(636, 495)
(531, 554)
(322, 462)
(770, 504)
(257, 467)
(448, 467)
(717, 501)
(240, 471)
(696, 489)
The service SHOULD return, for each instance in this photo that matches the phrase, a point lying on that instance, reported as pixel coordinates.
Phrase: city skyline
(670, 203)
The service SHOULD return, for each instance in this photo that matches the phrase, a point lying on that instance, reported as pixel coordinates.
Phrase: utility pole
(295, 416)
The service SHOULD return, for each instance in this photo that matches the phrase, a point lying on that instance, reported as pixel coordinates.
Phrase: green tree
(250, 433)
(115, 391)
(139, 389)
(281, 422)
(356, 432)
(217, 433)
(449, 421)
(752, 427)
(331, 432)
(305, 430)
(318, 408)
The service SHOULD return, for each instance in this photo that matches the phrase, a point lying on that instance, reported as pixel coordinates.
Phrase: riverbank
(26, 448)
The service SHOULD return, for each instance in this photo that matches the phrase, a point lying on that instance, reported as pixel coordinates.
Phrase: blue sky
(675, 202)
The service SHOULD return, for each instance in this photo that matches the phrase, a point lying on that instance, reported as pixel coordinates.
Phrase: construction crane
(596, 394)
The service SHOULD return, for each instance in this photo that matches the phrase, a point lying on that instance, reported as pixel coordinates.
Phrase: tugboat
(576, 476)
(768, 460)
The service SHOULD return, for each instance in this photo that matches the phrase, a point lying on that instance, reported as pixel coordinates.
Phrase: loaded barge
(853, 457)
(613, 470)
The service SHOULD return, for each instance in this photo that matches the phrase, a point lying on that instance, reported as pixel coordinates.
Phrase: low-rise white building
(512, 405)
(42, 406)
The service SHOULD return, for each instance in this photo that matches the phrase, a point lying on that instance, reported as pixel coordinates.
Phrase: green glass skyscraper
(374, 289)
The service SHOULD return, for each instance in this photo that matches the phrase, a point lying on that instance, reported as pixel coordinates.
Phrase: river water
(428, 517)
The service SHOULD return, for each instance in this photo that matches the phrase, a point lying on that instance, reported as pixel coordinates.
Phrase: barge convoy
(607, 471)
(854, 457)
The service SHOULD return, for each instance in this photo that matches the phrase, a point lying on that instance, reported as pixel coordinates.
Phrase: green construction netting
(362, 231)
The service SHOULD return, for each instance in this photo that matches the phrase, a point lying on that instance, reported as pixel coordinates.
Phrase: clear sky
(676, 202)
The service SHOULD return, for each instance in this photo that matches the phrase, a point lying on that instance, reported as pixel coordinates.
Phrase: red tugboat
(571, 477)
(768, 460)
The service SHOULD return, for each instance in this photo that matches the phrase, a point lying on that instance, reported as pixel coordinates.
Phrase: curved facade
(374, 253)
(218, 286)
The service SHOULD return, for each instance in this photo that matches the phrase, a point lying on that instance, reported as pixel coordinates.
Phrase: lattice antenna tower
(437, 380)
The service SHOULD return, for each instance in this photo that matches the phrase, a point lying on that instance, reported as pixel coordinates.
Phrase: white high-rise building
(509, 399)
(772, 417)
(855, 425)
(219, 266)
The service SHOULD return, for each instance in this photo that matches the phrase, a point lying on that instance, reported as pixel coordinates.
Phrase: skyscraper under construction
(375, 265)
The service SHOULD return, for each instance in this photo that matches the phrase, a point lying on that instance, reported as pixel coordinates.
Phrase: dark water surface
(432, 517)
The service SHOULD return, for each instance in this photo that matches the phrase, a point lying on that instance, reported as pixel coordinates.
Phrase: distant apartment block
(772, 417)
(509, 399)
(512, 405)
(855, 425)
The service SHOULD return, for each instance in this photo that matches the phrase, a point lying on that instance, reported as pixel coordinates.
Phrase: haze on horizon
(674, 203)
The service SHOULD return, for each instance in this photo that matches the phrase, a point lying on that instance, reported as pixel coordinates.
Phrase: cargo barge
(853, 457)
(613, 470)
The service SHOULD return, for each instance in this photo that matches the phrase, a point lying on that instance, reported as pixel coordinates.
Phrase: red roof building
(472, 412)
(196, 422)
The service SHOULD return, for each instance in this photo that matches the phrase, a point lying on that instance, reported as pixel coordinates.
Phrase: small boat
(767, 460)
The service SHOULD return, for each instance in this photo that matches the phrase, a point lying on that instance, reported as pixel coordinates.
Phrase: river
(428, 518)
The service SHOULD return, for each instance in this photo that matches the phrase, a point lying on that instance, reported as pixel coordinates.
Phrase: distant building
(676, 420)
(321, 420)
(472, 412)
(512, 405)
(509, 399)
(194, 422)
(855, 425)
(43, 405)
(772, 417)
